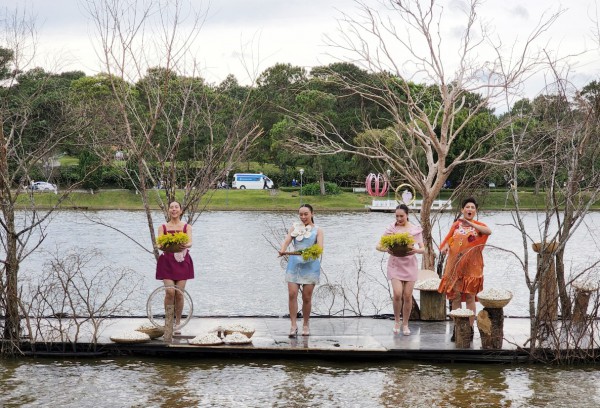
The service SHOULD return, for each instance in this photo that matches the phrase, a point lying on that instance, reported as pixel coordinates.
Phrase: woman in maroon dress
(175, 268)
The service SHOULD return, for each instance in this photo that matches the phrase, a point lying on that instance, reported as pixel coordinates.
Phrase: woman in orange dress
(463, 275)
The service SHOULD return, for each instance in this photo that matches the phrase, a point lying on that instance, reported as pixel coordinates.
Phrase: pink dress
(404, 268)
(174, 267)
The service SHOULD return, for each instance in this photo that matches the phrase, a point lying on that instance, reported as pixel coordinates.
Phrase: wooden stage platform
(331, 338)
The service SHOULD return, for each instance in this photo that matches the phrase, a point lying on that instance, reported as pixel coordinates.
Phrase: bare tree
(554, 138)
(75, 298)
(404, 45)
(23, 150)
(176, 130)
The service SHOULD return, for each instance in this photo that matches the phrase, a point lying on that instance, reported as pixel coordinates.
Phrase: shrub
(314, 189)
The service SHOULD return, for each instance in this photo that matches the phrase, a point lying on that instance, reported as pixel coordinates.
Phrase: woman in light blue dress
(303, 234)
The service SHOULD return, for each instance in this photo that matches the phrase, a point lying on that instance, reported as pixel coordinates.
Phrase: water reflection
(478, 387)
(171, 386)
(155, 382)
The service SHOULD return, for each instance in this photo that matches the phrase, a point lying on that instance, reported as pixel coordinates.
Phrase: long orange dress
(464, 268)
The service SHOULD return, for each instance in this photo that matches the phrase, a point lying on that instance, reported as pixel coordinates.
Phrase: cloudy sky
(266, 32)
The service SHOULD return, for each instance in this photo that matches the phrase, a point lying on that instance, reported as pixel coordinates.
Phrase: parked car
(43, 186)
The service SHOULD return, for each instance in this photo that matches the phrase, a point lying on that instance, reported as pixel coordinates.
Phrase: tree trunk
(547, 306)
(565, 300)
(12, 324)
(321, 177)
(428, 260)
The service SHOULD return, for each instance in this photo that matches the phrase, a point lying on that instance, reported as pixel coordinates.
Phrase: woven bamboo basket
(153, 332)
(494, 303)
(248, 341)
(549, 247)
(172, 248)
(248, 334)
(401, 250)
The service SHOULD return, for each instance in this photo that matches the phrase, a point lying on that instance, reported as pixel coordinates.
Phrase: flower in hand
(401, 244)
(173, 242)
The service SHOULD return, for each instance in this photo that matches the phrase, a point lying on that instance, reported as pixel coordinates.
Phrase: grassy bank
(271, 200)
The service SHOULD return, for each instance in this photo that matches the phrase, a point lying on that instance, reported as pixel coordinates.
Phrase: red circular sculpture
(377, 185)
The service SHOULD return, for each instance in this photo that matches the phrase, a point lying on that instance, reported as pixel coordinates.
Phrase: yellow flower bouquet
(172, 242)
(311, 253)
(399, 244)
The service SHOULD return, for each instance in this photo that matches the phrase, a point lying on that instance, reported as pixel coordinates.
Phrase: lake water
(130, 382)
(238, 273)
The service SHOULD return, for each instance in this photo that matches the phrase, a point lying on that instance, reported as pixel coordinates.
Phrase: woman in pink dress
(175, 268)
(402, 271)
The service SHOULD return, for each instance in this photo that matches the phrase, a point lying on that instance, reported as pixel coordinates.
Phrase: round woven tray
(239, 342)
(245, 333)
(154, 332)
(494, 303)
(205, 344)
(128, 341)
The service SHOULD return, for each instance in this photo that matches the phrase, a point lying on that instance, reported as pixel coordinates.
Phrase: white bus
(251, 181)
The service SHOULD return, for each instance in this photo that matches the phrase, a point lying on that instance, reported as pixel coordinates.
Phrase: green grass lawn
(68, 161)
(269, 200)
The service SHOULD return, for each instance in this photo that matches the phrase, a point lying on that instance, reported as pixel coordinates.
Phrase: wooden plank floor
(332, 338)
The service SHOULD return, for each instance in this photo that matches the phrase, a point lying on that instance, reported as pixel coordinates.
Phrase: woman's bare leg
(307, 291)
(470, 301)
(407, 302)
(179, 300)
(397, 290)
(293, 304)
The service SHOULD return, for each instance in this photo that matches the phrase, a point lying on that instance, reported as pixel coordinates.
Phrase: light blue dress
(301, 271)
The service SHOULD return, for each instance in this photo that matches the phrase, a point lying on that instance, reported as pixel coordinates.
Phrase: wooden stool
(583, 292)
(490, 322)
(462, 327)
(433, 305)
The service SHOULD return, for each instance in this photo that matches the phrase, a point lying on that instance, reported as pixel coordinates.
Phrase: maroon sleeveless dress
(170, 266)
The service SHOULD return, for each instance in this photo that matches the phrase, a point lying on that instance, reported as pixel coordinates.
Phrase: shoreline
(258, 200)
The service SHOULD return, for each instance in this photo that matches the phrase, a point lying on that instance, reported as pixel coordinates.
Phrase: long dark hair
(403, 207)
(180, 207)
(312, 219)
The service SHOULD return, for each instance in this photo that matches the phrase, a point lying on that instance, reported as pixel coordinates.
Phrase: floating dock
(356, 338)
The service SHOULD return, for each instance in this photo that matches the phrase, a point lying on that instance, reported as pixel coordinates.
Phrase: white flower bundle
(301, 231)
